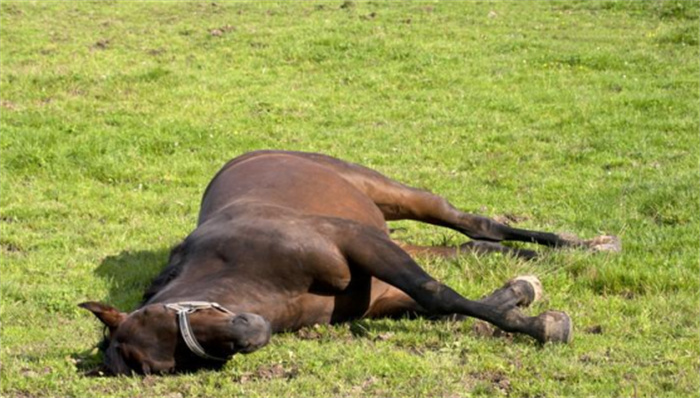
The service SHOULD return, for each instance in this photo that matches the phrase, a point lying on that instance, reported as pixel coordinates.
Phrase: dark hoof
(532, 289)
(558, 327)
(605, 243)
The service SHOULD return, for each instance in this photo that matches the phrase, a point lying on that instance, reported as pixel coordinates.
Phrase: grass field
(566, 116)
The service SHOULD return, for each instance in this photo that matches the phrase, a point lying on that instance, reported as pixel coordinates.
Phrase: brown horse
(290, 239)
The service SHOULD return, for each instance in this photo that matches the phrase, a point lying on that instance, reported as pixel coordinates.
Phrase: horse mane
(170, 272)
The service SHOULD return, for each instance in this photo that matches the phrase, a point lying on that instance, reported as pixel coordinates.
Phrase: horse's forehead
(138, 322)
(146, 314)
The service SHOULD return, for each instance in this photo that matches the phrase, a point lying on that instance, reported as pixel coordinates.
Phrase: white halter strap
(183, 309)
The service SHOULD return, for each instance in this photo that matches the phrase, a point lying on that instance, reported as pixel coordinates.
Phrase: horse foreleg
(373, 252)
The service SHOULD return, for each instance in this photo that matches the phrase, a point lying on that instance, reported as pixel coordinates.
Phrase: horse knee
(435, 298)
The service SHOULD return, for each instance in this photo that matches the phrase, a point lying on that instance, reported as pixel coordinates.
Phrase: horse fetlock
(555, 327)
(528, 287)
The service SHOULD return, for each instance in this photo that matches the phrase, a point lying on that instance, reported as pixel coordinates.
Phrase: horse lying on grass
(288, 239)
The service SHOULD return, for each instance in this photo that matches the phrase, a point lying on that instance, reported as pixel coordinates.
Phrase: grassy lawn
(571, 116)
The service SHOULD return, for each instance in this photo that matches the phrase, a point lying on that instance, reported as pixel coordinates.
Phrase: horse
(288, 239)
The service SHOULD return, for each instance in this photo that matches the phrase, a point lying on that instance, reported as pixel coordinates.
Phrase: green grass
(577, 116)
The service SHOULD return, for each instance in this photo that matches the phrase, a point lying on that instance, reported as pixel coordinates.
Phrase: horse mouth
(251, 332)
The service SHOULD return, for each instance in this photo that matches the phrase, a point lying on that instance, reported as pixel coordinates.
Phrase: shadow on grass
(129, 273)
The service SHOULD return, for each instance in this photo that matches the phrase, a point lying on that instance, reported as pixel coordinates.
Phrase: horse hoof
(533, 290)
(558, 327)
(605, 243)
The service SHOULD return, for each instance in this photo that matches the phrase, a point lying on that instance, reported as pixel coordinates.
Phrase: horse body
(262, 244)
(290, 239)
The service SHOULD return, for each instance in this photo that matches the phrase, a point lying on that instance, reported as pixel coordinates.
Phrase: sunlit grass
(574, 116)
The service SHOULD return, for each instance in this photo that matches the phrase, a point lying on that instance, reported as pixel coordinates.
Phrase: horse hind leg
(401, 202)
(473, 247)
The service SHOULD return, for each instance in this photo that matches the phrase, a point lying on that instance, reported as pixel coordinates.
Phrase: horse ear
(109, 315)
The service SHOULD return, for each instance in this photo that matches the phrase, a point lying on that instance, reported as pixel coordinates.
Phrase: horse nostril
(241, 318)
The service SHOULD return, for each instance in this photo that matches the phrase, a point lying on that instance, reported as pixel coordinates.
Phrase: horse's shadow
(129, 273)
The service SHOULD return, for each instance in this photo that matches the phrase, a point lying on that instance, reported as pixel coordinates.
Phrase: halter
(183, 309)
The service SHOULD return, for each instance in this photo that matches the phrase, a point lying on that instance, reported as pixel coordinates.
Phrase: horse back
(288, 181)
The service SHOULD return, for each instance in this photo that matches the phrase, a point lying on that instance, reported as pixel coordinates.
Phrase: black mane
(170, 272)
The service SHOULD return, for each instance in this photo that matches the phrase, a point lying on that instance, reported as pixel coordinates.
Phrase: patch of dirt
(258, 44)
(217, 32)
(23, 394)
(76, 92)
(496, 378)
(275, 371)
(347, 5)
(369, 16)
(368, 382)
(500, 334)
(416, 351)
(595, 329)
(8, 105)
(607, 243)
(309, 333)
(27, 372)
(101, 44)
(155, 52)
(11, 9)
(384, 336)
(149, 381)
(482, 329)
(517, 363)
(317, 332)
(9, 247)
(485, 329)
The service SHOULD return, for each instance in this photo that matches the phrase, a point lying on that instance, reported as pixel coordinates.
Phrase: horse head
(176, 337)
